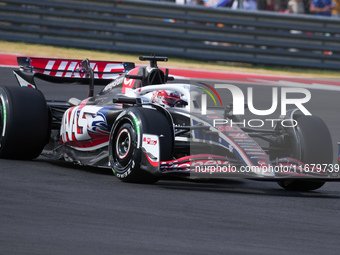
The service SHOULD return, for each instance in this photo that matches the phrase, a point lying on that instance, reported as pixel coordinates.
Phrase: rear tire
(315, 147)
(24, 123)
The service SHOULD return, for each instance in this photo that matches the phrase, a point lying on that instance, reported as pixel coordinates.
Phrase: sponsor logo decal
(85, 127)
(72, 68)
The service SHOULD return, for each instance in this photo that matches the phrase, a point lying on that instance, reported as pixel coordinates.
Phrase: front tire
(314, 146)
(125, 147)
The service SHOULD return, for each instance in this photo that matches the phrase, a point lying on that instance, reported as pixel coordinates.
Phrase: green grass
(60, 52)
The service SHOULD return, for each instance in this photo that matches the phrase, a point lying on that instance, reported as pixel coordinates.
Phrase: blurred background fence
(164, 28)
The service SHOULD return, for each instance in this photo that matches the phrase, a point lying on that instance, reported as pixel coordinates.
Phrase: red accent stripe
(187, 158)
(155, 164)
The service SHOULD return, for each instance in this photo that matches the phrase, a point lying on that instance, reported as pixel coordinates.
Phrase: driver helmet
(168, 98)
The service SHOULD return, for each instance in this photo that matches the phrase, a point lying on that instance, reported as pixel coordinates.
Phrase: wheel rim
(123, 144)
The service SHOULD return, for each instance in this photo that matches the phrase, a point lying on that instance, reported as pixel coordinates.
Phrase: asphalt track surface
(49, 207)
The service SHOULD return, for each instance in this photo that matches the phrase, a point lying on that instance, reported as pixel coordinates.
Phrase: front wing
(211, 166)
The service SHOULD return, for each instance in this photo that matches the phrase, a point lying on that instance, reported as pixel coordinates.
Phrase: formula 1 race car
(144, 125)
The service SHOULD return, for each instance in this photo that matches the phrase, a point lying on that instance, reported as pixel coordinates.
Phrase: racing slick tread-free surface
(316, 148)
(24, 122)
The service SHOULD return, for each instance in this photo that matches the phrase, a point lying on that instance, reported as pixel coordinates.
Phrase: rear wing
(69, 71)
